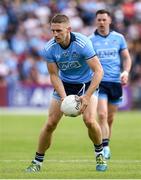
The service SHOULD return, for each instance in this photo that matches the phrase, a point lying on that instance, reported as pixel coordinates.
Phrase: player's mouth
(57, 39)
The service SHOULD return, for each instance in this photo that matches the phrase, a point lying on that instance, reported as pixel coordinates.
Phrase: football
(71, 105)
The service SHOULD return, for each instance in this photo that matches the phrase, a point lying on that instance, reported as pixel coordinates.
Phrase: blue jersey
(108, 50)
(71, 61)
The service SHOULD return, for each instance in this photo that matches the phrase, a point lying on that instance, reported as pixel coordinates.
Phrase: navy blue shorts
(112, 91)
(77, 89)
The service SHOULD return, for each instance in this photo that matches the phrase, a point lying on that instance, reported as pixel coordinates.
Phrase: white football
(71, 105)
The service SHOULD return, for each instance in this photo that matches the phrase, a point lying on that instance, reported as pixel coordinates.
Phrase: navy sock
(39, 157)
(105, 142)
(98, 149)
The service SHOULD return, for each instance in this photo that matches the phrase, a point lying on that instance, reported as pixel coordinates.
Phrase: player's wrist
(87, 97)
(126, 73)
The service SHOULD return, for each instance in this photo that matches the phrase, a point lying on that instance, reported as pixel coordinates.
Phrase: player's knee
(110, 120)
(89, 123)
(102, 116)
(51, 126)
(111, 117)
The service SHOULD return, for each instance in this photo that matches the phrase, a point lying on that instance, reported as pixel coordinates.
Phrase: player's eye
(56, 31)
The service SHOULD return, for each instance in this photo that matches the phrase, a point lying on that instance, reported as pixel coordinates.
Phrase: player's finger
(84, 106)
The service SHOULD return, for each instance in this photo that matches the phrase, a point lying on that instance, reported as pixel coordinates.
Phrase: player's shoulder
(80, 35)
(115, 33)
(81, 39)
(50, 44)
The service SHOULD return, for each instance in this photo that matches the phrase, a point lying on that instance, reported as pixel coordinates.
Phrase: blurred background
(24, 30)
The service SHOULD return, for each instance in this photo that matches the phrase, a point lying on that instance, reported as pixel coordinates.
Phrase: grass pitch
(71, 155)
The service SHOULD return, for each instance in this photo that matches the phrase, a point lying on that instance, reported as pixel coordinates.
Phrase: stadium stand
(24, 31)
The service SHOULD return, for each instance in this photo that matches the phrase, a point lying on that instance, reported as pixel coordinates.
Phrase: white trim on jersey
(50, 44)
(80, 42)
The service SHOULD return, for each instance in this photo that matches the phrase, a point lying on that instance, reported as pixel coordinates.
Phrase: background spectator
(24, 31)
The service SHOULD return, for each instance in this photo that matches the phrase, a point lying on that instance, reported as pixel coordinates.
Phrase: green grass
(71, 154)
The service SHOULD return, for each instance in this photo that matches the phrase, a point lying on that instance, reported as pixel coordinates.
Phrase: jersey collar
(72, 38)
(97, 33)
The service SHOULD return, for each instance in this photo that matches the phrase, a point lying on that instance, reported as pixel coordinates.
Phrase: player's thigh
(54, 114)
(91, 111)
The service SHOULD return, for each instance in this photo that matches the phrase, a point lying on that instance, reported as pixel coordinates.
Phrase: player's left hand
(124, 78)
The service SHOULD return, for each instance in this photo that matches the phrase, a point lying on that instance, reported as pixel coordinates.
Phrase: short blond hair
(60, 18)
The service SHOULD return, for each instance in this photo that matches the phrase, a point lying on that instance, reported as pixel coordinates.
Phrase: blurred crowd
(24, 29)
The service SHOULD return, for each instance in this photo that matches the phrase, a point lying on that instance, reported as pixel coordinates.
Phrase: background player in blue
(112, 51)
(71, 61)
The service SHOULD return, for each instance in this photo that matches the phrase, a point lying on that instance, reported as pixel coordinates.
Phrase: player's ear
(110, 20)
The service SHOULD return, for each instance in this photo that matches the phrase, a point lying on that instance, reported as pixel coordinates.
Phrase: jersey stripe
(80, 42)
(50, 44)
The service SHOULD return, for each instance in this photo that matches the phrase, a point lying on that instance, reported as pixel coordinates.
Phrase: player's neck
(66, 43)
(104, 32)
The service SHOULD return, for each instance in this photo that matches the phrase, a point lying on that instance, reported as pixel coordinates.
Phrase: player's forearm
(58, 85)
(127, 65)
(127, 62)
(126, 68)
(95, 82)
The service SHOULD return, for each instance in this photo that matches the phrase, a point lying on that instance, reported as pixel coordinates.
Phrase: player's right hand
(84, 102)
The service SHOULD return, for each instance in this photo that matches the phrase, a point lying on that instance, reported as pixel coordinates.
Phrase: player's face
(103, 22)
(61, 32)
